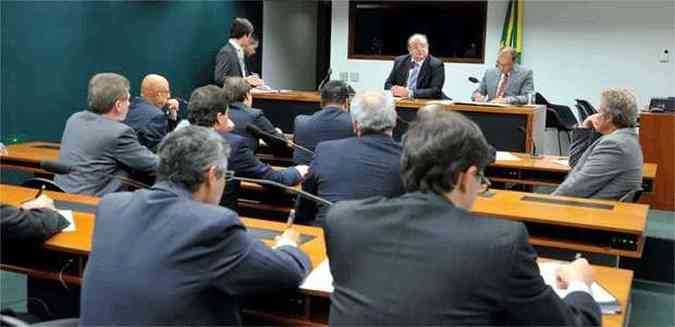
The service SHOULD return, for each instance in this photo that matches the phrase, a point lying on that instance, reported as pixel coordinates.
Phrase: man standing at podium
(508, 83)
(417, 74)
(230, 60)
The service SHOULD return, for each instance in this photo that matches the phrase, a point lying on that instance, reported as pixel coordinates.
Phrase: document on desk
(68, 214)
(608, 303)
(562, 162)
(320, 279)
(482, 104)
(506, 156)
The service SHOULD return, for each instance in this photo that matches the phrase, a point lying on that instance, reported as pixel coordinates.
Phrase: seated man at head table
(424, 259)
(153, 114)
(417, 74)
(231, 59)
(605, 152)
(249, 122)
(34, 221)
(98, 145)
(332, 122)
(508, 83)
(169, 255)
(208, 107)
(357, 167)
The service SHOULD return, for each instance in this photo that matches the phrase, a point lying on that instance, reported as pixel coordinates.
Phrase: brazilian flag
(512, 32)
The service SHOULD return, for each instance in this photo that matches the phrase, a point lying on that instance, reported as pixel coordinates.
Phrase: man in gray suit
(611, 166)
(98, 145)
(507, 83)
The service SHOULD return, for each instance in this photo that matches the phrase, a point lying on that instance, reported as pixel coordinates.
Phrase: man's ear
(355, 127)
(465, 178)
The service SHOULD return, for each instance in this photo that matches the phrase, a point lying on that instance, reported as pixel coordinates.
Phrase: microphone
(473, 80)
(289, 143)
(301, 193)
(62, 168)
(325, 79)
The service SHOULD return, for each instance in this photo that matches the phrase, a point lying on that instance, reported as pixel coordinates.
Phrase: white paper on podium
(320, 279)
(506, 156)
(68, 214)
(608, 303)
(483, 104)
(562, 162)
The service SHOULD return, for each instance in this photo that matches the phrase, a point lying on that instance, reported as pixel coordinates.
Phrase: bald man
(153, 114)
(417, 74)
(507, 83)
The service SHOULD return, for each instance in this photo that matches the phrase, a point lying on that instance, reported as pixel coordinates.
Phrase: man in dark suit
(357, 167)
(230, 60)
(98, 145)
(208, 108)
(147, 114)
(170, 255)
(332, 122)
(249, 122)
(34, 221)
(424, 259)
(417, 74)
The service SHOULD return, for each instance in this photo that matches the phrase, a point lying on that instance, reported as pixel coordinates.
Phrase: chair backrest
(631, 196)
(582, 113)
(566, 115)
(552, 119)
(586, 106)
(38, 182)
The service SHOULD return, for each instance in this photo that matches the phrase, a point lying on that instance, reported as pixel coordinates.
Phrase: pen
(40, 191)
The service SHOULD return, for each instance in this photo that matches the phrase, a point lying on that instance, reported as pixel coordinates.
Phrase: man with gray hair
(173, 247)
(417, 74)
(358, 167)
(98, 146)
(611, 164)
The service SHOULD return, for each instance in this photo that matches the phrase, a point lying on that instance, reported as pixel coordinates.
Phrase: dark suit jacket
(241, 115)
(98, 148)
(351, 168)
(227, 64)
(35, 225)
(160, 258)
(429, 81)
(244, 163)
(419, 260)
(330, 123)
(149, 122)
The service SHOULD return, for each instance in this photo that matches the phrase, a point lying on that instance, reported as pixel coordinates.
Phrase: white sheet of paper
(562, 162)
(506, 156)
(485, 104)
(68, 214)
(320, 279)
(547, 270)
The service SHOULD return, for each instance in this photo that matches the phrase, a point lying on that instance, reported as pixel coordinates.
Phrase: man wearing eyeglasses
(508, 83)
(98, 145)
(424, 259)
(417, 74)
(153, 114)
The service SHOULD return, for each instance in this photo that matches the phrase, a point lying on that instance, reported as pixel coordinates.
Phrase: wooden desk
(657, 139)
(308, 308)
(546, 171)
(512, 128)
(27, 156)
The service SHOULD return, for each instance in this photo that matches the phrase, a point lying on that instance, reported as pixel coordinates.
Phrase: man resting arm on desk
(508, 83)
(169, 255)
(611, 166)
(417, 74)
(35, 220)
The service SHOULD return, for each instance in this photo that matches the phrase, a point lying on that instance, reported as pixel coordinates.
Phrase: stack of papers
(68, 214)
(608, 303)
(485, 104)
(506, 156)
(320, 279)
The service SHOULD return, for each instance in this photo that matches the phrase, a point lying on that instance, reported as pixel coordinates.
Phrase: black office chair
(586, 106)
(38, 182)
(631, 196)
(559, 117)
(582, 112)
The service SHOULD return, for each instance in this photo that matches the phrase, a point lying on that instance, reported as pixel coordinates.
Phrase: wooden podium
(657, 137)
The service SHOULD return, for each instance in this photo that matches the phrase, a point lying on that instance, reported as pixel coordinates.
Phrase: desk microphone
(289, 143)
(62, 168)
(473, 80)
(325, 79)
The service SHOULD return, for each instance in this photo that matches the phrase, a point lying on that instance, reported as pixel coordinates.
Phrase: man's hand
(254, 80)
(578, 270)
(290, 237)
(399, 91)
(302, 169)
(41, 202)
(173, 106)
(591, 121)
(478, 97)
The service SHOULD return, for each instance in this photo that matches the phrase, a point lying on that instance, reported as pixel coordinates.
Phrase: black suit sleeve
(226, 65)
(582, 138)
(29, 225)
(246, 164)
(278, 147)
(391, 80)
(435, 89)
(155, 130)
(529, 301)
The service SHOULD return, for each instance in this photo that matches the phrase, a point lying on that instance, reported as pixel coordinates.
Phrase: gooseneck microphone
(62, 168)
(473, 80)
(289, 143)
(301, 193)
(325, 79)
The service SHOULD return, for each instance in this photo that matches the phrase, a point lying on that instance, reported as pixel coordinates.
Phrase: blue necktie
(412, 79)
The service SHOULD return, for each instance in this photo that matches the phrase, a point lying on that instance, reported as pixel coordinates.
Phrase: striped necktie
(412, 79)
(503, 83)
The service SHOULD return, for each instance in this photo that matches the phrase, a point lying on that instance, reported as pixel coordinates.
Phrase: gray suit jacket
(98, 148)
(608, 169)
(227, 64)
(520, 84)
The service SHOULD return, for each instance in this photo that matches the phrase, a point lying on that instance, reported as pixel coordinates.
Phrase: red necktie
(502, 86)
